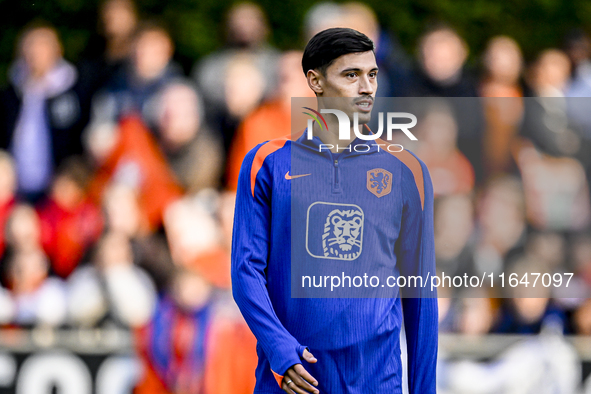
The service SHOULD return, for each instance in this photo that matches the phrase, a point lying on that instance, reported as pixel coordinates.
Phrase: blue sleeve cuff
(286, 359)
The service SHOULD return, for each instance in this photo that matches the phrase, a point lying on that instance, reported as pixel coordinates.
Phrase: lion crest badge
(334, 231)
(343, 234)
(379, 182)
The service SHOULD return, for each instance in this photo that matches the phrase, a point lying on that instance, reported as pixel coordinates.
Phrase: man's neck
(330, 136)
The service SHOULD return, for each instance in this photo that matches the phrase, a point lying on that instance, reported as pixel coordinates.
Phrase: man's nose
(366, 86)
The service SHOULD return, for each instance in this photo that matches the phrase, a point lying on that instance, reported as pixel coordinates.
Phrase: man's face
(41, 50)
(153, 51)
(350, 83)
(443, 54)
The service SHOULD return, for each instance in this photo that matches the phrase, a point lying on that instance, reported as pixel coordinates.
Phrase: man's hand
(300, 381)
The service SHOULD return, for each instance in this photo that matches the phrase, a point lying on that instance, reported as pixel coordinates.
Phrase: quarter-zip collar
(315, 144)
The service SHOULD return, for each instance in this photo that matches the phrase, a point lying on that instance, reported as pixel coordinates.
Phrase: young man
(378, 207)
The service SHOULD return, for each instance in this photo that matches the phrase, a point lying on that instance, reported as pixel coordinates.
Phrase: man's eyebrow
(357, 69)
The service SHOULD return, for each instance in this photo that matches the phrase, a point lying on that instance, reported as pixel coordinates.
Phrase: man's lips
(364, 105)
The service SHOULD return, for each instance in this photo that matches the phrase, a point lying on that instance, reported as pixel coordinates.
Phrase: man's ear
(315, 81)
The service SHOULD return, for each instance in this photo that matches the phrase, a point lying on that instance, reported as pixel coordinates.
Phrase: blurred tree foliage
(197, 25)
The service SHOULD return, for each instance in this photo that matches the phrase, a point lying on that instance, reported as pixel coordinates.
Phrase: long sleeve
(250, 251)
(416, 254)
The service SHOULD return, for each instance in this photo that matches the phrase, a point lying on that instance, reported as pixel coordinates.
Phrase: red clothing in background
(5, 211)
(66, 234)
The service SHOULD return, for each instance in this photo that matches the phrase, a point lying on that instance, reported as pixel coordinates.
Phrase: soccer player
(376, 210)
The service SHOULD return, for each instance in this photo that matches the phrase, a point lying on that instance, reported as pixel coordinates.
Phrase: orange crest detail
(379, 182)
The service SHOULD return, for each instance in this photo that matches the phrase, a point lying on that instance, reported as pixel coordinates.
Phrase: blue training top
(370, 210)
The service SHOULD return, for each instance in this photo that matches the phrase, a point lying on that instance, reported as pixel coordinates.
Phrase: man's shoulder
(260, 155)
(413, 168)
(268, 148)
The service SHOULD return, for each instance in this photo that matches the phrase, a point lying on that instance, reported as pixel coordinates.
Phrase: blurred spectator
(390, 56)
(503, 105)
(526, 315)
(242, 96)
(112, 289)
(477, 313)
(70, 223)
(273, 118)
(440, 73)
(454, 234)
(582, 319)
(132, 90)
(529, 308)
(322, 16)
(39, 299)
(7, 193)
(442, 54)
(34, 297)
(124, 216)
(109, 52)
(549, 75)
(122, 211)
(23, 230)
(118, 20)
(577, 47)
(134, 159)
(556, 190)
(246, 26)
(450, 170)
(392, 61)
(547, 249)
(43, 116)
(581, 256)
(246, 52)
(194, 154)
(361, 17)
(501, 230)
(227, 203)
(552, 124)
(196, 239)
(197, 342)
(503, 63)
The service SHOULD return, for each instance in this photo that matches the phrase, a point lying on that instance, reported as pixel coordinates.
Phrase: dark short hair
(329, 44)
(76, 169)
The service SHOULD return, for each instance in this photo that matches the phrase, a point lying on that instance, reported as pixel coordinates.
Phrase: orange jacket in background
(270, 121)
(454, 175)
(157, 185)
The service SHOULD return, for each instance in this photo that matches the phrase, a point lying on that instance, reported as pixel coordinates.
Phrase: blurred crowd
(117, 178)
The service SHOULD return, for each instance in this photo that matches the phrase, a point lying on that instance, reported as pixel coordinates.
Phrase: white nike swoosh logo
(289, 177)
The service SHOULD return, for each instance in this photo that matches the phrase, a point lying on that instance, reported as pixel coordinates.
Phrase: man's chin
(364, 117)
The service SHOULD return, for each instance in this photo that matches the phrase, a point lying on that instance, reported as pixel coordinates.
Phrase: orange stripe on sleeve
(413, 164)
(278, 378)
(260, 157)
